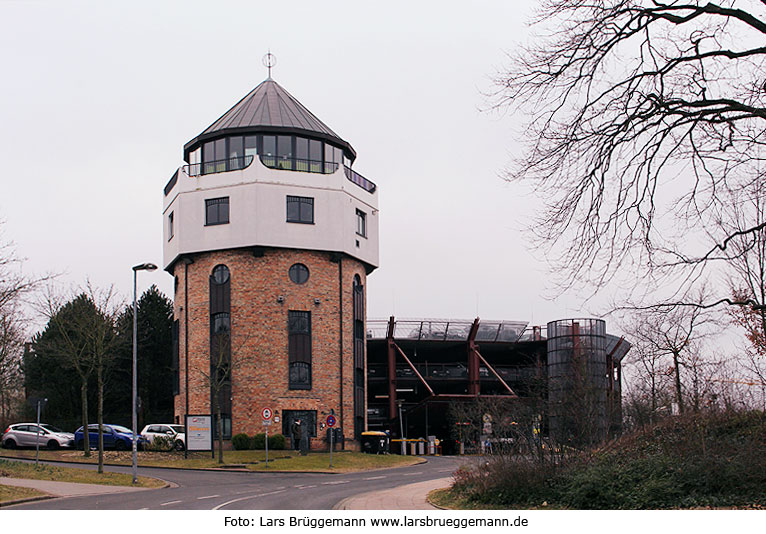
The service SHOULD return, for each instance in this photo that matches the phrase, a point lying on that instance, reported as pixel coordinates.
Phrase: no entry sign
(266, 413)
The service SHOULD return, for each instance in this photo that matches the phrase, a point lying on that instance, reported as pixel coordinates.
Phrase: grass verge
(55, 473)
(14, 493)
(253, 460)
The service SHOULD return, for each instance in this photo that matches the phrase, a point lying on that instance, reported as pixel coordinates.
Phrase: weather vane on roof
(269, 60)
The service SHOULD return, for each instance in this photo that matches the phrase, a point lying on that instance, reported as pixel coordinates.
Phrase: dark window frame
(299, 349)
(295, 271)
(219, 214)
(171, 229)
(361, 217)
(305, 214)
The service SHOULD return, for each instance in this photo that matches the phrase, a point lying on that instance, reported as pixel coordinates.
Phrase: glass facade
(286, 152)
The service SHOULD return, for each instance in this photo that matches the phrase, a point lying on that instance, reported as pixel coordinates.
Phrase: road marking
(305, 487)
(334, 483)
(412, 474)
(208, 497)
(374, 478)
(444, 471)
(171, 502)
(249, 497)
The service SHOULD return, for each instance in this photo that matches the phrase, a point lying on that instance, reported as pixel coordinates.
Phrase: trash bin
(375, 442)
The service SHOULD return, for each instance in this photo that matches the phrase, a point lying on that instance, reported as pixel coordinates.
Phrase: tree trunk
(219, 426)
(679, 396)
(100, 418)
(84, 398)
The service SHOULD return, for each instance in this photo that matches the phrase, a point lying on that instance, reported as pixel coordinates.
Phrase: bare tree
(643, 119)
(14, 286)
(669, 338)
(11, 378)
(224, 360)
(81, 332)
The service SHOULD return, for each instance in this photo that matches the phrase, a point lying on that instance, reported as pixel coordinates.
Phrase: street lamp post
(141, 267)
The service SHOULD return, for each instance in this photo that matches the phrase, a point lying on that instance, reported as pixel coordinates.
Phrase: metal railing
(219, 165)
(172, 183)
(360, 180)
(298, 164)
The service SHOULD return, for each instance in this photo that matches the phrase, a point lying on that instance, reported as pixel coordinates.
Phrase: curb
(224, 469)
(28, 499)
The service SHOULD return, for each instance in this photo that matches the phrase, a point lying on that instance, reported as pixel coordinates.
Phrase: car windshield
(121, 429)
(51, 428)
(178, 428)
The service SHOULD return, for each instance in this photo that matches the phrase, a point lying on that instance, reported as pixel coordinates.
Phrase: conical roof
(269, 108)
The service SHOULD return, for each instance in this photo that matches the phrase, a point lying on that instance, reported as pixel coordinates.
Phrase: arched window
(359, 393)
(220, 274)
(220, 344)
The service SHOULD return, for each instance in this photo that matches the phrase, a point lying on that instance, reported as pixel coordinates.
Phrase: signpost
(267, 414)
(331, 423)
(199, 432)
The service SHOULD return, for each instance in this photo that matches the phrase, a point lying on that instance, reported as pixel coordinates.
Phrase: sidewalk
(65, 489)
(409, 497)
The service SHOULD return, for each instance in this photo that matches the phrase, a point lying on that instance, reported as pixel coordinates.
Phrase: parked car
(26, 435)
(115, 437)
(175, 434)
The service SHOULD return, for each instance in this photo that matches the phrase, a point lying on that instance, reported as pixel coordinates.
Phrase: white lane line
(207, 497)
(249, 497)
(334, 483)
(444, 471)
(375, 478)
(171, 502)
(305, 487)
(412, 474)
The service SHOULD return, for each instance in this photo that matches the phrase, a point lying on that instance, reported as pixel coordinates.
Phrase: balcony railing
(298, 164)
(360, 180)
(219, 165)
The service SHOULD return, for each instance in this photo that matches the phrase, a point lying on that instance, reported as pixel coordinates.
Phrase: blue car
(115, 437)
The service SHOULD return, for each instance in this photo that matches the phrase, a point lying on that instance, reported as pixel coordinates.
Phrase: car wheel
(120, 445)
(53, 444)
(179, 445)
(10, 444)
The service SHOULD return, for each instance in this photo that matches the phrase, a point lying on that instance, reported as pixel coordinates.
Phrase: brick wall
(259, 335)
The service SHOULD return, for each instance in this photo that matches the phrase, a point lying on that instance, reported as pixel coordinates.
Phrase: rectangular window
(300, 209)
(299, 349)
(285, 152)
(251, 145)
(216, 211)
(315, 155)
(236, 160)
(361, 223)
(301, 154)
(170, 226)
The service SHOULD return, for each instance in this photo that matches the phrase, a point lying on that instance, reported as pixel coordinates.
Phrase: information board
(199, 432)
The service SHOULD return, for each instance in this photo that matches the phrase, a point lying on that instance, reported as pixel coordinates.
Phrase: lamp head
(145, 267)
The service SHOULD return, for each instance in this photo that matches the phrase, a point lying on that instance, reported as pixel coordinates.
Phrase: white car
(29, 435)
(175, 434)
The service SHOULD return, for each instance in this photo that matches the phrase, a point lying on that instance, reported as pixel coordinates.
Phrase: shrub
(160, 443)
(240, 442)
(277, 442)
(258, 442)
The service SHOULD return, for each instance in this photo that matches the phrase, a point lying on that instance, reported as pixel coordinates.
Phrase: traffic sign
(266, 422)
(266, 413)
(331, 421)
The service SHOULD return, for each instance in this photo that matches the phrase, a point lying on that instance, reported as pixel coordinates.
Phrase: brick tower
(270, 236)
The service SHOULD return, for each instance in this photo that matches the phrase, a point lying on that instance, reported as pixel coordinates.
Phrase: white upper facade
(268, 173)
(258, 213)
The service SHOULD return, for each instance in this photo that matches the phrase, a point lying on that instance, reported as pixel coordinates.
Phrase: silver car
(29, 434)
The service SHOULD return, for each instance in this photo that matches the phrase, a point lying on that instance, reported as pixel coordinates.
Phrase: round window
(220, 274)
(299, 273)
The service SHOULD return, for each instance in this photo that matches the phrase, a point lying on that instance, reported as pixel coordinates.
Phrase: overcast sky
(98, 98)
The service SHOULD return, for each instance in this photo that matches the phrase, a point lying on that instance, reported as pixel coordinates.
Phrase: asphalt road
(220, 490)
